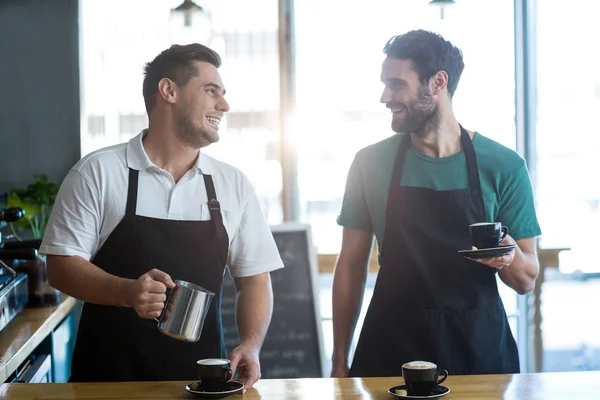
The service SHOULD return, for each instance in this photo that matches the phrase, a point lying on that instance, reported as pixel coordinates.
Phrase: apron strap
(399, 163)
(132, 192)
(472, 170)
(214, 207)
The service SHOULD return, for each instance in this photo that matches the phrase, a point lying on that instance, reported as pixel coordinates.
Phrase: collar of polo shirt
(139, 160)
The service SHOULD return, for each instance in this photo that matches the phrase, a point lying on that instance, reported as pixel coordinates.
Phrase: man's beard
(422, 115)
(191, 135)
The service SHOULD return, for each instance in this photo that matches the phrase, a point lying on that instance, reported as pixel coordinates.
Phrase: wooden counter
(547, 386)
(26, 331)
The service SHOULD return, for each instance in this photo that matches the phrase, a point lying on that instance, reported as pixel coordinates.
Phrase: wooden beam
(327, 262)
(287, 106)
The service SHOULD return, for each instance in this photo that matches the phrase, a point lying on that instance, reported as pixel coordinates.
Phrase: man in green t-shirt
(417, 192)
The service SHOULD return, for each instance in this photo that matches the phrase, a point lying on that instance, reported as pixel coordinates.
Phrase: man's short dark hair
(177, 64)
(430, 53)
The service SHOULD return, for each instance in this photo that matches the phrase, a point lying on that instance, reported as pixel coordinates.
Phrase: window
(568, 132)
(117, 43)
(95, 125)
(131, 125)
(568, 189)
(338, 87)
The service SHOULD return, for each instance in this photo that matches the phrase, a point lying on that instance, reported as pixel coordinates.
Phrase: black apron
(429, 302)
(114, 343)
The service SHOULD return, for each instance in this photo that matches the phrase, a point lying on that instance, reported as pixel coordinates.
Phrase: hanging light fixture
(191, 23)
(442, 4)
(188, 8)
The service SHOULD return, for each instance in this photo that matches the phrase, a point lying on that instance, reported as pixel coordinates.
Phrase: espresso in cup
(486, 235)
(421, 377)
(214, 373)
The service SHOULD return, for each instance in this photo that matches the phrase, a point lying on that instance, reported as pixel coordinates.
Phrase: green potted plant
(37, 200)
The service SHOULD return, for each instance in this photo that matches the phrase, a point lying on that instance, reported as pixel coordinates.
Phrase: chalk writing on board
(289, 336)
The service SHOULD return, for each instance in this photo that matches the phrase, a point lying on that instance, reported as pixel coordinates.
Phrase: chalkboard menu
(293, 345)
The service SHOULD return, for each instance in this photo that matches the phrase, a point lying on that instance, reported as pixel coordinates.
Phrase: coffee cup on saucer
(214, 373)
(422, 377)
(486, 235)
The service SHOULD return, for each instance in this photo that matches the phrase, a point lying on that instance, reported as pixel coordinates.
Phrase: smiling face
(414, 107)
(199, 107)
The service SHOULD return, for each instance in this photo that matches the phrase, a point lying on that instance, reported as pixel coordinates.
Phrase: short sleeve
(252, 250)
(355, 212)
(74, 224)
(517, 206)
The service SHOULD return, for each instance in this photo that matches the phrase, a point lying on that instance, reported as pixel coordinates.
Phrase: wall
(39, 90)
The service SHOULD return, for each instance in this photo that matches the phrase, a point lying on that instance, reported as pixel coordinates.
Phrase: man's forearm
(254, 308)
(85, 281)
(348, 293)
(522, 272)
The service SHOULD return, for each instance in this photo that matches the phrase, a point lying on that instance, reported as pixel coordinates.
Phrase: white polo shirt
(92, 201)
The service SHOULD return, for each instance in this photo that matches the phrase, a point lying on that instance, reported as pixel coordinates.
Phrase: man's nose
(223, 105)
(386, 96)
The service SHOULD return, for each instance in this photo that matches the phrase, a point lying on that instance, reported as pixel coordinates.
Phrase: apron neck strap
(132, 191)
(214, 207)
(472, 170)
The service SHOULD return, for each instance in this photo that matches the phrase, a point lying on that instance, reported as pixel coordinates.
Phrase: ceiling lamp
(188, 8)
(442, 4)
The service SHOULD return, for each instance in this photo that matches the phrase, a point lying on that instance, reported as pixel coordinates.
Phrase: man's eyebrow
(214, 85)
(393, 80)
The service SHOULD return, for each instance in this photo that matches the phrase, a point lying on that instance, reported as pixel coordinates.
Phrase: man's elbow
(525, 286)
(524, 289)
(525, 279)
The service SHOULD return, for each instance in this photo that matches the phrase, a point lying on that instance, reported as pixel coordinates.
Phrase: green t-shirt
(505, 183)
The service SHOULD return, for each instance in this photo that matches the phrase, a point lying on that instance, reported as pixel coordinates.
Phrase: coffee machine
(14, 290)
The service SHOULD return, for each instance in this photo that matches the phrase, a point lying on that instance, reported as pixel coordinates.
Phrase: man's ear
(167, 90)
(438, 82)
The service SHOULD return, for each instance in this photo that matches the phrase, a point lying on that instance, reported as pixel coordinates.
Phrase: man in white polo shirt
(132, 218)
